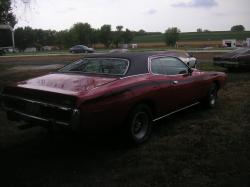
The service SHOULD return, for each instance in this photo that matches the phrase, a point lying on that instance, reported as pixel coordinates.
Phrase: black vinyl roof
(138, 60)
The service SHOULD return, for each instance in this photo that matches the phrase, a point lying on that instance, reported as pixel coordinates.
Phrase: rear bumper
(34, 116)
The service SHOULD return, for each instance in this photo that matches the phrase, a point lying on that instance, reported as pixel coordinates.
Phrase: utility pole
(8, 27)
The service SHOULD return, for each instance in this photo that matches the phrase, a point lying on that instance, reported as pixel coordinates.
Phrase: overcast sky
(149, 15)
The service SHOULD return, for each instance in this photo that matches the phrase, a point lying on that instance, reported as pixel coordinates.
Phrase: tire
(210, 100)
(195, 65)
(139, 125)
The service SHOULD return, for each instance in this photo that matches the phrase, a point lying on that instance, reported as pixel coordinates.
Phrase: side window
(168, 66)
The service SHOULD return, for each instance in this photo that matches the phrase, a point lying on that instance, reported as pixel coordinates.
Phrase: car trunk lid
(66, 83)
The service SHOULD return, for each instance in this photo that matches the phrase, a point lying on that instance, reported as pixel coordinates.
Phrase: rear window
(106, 66)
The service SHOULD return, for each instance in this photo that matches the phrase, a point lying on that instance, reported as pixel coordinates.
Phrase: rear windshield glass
(107, 66)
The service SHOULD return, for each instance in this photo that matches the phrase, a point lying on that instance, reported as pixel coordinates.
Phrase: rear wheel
(138, 128)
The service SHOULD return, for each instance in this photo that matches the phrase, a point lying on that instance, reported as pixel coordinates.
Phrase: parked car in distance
(236, 59)
(81, 49)
(127, 91)
(184, 56)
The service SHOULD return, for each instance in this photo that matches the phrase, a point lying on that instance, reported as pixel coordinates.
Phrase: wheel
(211, 98)
(195, 65)
(138, 128)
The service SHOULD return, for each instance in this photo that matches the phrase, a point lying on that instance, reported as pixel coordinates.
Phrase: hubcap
(140, 125)
(212, 101)
(213, 96)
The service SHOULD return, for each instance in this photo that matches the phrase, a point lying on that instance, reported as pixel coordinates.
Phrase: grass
(195, 36)
(197, 147)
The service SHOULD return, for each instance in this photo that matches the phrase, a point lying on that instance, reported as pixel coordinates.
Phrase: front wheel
(211, 98)
(195, 65)
(138, 128)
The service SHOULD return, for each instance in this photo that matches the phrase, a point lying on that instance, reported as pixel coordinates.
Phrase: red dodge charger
(101, 91)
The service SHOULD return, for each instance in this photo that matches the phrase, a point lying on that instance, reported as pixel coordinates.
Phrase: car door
(178, 87)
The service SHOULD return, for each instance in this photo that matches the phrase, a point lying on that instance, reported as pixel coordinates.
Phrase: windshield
(107, 66)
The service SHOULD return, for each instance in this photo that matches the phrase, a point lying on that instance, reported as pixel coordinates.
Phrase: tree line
(79, 33)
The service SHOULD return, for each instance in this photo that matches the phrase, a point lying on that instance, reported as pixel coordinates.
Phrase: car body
(105, 91)
(236, 59)
(184, 56)
(81, 49)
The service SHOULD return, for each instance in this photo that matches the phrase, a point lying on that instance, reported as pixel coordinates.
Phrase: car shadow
(48, 159)
(56, 159)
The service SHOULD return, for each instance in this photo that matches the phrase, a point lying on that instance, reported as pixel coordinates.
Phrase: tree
(127, 36)
(106, 35)
(141, 32)
(24, 37)
(237, 28)
(95, 36)
(63, 39)
(118, 35)
(5, 38)
(172, 36)
(6, 15)
(81, 33)
(119, 28)
(199, 30)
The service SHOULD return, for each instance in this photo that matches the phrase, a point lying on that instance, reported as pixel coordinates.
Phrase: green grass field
(197, 147)
(195, 36)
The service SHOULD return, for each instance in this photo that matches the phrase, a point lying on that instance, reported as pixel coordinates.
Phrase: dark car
(106, 91)
(236, 59)
(81, 49)
(2, 52)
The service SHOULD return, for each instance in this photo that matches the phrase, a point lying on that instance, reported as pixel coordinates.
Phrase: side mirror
(190, 71)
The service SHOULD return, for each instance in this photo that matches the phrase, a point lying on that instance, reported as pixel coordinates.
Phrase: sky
(149, 15)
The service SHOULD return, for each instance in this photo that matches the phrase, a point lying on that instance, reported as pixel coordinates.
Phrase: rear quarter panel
(109, 105)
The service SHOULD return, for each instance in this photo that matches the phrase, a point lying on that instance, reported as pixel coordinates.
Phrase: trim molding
(154, 120)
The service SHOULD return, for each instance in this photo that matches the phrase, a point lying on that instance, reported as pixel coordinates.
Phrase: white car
(185, 57)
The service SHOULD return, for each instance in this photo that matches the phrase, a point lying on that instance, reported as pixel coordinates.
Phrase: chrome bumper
(18, 115)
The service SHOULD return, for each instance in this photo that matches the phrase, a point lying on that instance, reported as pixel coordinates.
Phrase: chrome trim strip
(175, 111)
(134, 75)
(38, 102)
(41, 119)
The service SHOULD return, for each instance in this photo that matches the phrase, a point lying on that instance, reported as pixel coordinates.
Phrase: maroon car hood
(65, 83)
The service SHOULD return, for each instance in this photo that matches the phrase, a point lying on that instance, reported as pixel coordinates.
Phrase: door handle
(175, 82)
